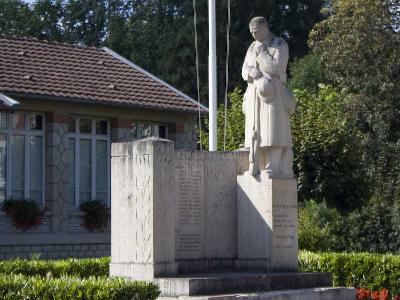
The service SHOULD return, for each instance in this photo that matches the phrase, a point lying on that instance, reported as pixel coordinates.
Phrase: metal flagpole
(212, 76)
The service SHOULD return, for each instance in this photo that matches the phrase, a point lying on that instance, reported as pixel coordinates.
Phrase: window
(143, 130)
(89, 161)
(22, 156)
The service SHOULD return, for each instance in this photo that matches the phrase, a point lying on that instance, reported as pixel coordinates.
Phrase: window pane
(17, 120)
(35, 168)
(85, 126)
(101, 170)
(162, 131)
(101, 127)
(17, 168)
(144, 130)
(35, 122)
(85, 170)
(102, 196)
(3, 119)
(134, 130)
(3, 166)
(72, 125)
(71, 163)
(17, 195)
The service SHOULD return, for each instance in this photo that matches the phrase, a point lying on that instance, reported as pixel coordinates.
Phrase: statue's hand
(259, 47)
(254, 73)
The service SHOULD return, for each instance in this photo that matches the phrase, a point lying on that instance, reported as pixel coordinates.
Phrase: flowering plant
(96, 215)
(363, 294)
(24, 214)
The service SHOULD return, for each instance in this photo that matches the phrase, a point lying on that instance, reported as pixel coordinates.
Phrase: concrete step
(331, 293)
(238, 282)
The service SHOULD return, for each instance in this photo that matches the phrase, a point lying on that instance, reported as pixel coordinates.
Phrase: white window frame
(26, 133)
(93, 137)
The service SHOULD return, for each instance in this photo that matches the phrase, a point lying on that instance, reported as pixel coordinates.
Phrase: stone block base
(241, 285)
(267, 221)
(332, 293)
(238, 282)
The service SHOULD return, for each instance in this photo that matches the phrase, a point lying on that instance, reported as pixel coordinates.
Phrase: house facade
(61, 108)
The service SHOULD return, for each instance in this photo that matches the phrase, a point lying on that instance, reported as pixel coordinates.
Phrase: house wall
(62, 233)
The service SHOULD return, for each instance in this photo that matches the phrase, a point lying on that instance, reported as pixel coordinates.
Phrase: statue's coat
(276, 101)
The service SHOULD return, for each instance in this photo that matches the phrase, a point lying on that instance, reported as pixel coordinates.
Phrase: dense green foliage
(16, 287)
(365, 270)
(307, 73)
(319, 227)
(328, 161)
(374, 227)
(82, 268)
(150, 32)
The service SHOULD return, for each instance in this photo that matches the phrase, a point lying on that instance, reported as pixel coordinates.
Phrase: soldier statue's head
(259, 29)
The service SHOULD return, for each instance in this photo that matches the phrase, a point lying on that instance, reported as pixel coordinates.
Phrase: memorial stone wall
(182, 211)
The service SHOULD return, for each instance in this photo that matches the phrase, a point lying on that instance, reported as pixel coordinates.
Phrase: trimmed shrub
(318, 227)
(362, 270)
(56, 268)
(16, 287)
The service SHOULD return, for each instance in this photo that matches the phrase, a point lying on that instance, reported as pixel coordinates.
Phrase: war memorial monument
(219, 225)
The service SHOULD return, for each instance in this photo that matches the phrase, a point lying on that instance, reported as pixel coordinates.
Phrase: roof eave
(7, 101)
(101, 103)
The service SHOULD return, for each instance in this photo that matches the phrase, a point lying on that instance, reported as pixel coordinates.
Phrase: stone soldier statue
(267, 103)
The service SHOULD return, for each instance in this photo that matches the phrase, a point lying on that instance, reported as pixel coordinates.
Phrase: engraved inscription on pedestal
(284, 225)
(284, 219)
(190, 209)
(189, 242)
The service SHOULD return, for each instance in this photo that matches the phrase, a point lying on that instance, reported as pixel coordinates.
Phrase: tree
(46, 15)
(307, 73)
(359, 44)
(327, 162)
(15, 18)
(85, 21)
(116, 36)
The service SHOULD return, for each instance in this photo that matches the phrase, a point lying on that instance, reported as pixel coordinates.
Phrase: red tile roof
(61, 71)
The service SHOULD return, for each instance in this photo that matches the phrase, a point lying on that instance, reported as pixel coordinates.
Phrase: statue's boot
(253, 170)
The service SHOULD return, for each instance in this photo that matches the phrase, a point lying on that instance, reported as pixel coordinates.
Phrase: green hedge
(363, 270)
(17, 287)
(56, 268)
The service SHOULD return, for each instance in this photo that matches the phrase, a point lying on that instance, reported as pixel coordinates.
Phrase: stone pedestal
(143, 210)
(267, 223)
